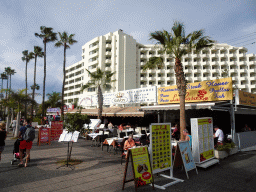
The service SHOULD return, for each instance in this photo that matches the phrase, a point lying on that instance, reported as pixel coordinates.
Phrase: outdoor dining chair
(122, 135)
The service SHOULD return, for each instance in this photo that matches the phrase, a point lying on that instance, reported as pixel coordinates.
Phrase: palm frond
(153, 63)
(87, 85)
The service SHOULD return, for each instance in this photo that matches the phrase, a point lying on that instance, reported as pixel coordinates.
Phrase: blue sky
(225, 21)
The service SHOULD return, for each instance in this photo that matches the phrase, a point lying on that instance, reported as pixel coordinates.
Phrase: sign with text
(202, 139)
(141, 165)
(212, 90)
(56, 130)
(43, 135)
(245, 98)
(141, 95)
(160, 137)
(186, 155)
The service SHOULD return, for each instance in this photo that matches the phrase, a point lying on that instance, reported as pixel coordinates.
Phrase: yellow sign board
(212, 90)
(246, 98)
(141, 165)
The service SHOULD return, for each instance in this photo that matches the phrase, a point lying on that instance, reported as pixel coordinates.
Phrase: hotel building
(120, 53)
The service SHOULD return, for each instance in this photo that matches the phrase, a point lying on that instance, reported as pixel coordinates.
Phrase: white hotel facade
(120, 53)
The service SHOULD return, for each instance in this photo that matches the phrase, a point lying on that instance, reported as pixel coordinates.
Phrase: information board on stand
(202, 140)
(44, 135)
(161, 151)
(141, 167)
(56, 130)
(183, 150)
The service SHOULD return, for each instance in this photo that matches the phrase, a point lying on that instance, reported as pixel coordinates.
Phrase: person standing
(27, 134)
(14, 125)
(218, 134)
(3, 135)
(188, 137)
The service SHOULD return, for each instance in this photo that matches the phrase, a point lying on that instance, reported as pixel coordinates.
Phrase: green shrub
(37, 119)
(226, 147)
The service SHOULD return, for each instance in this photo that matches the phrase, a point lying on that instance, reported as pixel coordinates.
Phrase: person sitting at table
(129, 143)
(121, 127)
(176, 132)
(110, 125)
(246, 128)
(188, 137)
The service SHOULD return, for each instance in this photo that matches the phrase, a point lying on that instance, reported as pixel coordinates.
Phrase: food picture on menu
(142, 168)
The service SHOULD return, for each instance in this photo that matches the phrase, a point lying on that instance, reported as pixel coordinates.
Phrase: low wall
(246, 140)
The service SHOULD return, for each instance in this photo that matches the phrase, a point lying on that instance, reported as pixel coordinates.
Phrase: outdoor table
(93, 136)
(112, 142)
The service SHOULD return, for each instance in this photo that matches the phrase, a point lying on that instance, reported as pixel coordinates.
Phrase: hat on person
(215, 126)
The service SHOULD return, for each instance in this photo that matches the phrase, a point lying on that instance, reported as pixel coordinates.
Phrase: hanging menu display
(202, 139)
(56, 130)
(161, 147)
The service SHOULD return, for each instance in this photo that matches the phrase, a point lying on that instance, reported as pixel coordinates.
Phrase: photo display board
(202, 139)
(141, 166)
(56, 130)
(161, 147)
(186, 155)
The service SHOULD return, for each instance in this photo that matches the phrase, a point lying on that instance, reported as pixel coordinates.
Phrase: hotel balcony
(252, 63)
(160, 78)
(197, 79)
(142, 63)
(215, 70)
(152, 71)
(94, 62)
(223, 63)
(108, 61)
(143, 78)
(241, 86)
(197, 70)
(143, 56)
(243, 70)
(253, 86)
(108, 53)
(188, 71)
(107, 68)
(151, 78)
(242, 63)
(214, 63)
(206, 71)
(160, 70)
(108, 46)
(94, 47)
(252, 70)
(233, 70)
(243, 78)
(206, 78)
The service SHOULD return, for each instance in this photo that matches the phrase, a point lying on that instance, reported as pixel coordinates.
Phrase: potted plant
(221, 152)
(233, 149)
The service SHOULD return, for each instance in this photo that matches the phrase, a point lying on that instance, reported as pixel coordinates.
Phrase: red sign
(43, 135)
(56, 130)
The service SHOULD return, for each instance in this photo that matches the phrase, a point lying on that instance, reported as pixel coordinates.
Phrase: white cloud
(250, 29)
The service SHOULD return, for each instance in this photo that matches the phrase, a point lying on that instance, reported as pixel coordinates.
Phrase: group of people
(26, 137)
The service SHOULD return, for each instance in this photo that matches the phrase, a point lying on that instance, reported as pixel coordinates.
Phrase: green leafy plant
(226, 147)
(75, 122)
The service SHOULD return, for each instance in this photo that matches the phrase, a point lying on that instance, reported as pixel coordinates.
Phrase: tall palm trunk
(181, 85)
(33, 94)
(7, 110)
(63, 84)
(17, 128)
(26, 73)
(100, 102)
(43, 110)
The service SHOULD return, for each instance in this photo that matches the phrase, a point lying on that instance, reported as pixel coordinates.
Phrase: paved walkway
(101, 171)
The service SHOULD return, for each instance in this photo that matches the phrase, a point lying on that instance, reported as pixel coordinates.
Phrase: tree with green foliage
(65, 41)
(98, 79)
(26, 57)
(48, 36)
(54, 99)
(177, 44)
(37, 53)
(75, 122)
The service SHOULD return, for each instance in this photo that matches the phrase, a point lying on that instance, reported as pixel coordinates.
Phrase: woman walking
(3, 135)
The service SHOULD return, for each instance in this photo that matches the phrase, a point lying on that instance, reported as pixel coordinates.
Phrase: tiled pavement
(101, 171)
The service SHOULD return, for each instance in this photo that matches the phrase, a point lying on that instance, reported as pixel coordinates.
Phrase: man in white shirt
(218, 134)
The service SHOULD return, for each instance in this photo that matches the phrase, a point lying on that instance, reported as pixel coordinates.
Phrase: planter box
(220, 154)
(233, 151)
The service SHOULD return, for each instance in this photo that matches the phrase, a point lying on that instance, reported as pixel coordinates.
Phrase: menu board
(161, 156)
(141, 166)
(56, 130)
(44, 135)
(69, 136)
(202, 139)
(186, 155)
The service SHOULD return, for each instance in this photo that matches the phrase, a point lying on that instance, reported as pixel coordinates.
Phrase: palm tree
(64, 41)
(37, 53)
(176, 43)
(48, 36)
(54, 99)
(3, 77)
(9, 72)
(27, 57)
(98, 79)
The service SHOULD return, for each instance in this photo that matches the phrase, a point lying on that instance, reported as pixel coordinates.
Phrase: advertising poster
(56, 129)
(44, 135)
(211, 90)
(141, 165)
(161, 156)
(206, 145)
(186, 155)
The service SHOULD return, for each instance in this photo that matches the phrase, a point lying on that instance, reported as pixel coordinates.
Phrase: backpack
(29, 134)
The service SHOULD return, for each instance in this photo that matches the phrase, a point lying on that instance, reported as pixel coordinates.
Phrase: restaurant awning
(113, 112)
(177, 106)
